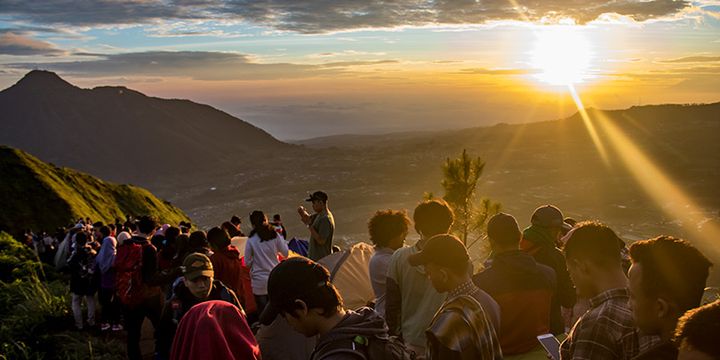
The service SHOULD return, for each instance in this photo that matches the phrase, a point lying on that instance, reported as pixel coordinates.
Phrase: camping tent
(349, 272)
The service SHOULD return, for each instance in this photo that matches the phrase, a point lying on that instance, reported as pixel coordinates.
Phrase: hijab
(214, 330)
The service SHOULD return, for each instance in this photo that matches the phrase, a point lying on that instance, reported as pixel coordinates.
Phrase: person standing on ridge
(321, 226)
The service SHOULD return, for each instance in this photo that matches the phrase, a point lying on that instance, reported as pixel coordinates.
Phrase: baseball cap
(547, 216)
(292, 279)
(318, 195)
(196, 265)
(503, 227)
(443, 250)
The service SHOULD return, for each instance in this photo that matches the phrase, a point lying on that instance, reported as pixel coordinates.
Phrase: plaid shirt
(461, 330)
(606, 331)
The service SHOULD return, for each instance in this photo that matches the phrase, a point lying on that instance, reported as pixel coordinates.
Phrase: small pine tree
(461, 178)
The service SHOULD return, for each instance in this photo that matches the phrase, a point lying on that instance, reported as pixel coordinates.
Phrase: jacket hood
(230, 251)
(364, 321)
(516, 262)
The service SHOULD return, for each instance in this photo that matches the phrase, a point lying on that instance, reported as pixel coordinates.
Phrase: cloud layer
(199, 65)
(305, 16)
(16, 44)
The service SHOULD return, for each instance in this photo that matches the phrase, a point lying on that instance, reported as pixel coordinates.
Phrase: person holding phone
(321, 226)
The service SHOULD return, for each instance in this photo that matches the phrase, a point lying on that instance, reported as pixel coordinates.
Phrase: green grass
(41, 196)
(35, 315)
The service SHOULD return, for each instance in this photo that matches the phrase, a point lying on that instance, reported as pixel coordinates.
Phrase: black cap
(444, 250)
(547, 216)
(318, 195)
(292, 279)
(503, 227)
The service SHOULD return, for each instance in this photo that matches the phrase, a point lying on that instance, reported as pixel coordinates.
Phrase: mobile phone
(551, 345)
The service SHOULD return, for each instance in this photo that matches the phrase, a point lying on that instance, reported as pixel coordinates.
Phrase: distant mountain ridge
(39, 196)
(122, 135)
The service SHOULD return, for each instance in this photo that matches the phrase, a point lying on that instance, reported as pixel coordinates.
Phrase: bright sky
(302, 69)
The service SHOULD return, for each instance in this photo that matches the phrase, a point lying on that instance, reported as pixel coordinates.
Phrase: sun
(562, 55)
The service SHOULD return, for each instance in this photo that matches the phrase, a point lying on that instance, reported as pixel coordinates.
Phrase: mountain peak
(37, 79)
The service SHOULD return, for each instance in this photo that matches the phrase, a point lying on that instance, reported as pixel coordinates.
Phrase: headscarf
(214, 330)
(107, 253)
(122, 237)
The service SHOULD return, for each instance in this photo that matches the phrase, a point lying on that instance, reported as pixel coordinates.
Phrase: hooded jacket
(524, 290)
(538, 242)
(339, 343)
(228, 268)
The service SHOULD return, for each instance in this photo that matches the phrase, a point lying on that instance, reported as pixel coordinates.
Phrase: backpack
(129, 285)
(372, 348)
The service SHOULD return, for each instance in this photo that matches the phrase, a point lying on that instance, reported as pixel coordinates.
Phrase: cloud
(20, 45)
(310, 17)
(357, 63)
(199, 65)
(693, 59)
(483, 71)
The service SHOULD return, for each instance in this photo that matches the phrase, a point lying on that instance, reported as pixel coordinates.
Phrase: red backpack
(129, 284)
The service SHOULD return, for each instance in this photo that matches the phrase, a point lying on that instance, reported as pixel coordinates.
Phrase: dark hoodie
(538, 242)
(524, 290)
(340, 342)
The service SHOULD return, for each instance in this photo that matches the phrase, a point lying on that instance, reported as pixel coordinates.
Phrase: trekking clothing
(538, 242)
(524, 290)
(339, 343)
(379, 263)
(606, 331)
(105, 260)
(82, 271)
(228, 268)
(663, 351)
(279, 341)
(324, 224)
(461, 329)
(214, 330)
(77, 310)
(148, 296)
(411, 301)
(180, 303)
(111, 307)
(134, 316)
(261, 257)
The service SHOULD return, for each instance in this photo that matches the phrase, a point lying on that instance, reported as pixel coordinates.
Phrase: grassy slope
(41, 196)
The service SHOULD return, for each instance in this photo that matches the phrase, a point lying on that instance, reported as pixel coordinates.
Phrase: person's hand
(304, 216)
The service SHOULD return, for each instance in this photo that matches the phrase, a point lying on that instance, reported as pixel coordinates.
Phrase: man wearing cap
(198, 285)
(523, 288)
(462, 328)
(321, 226)
(300, 291)
(539, 240)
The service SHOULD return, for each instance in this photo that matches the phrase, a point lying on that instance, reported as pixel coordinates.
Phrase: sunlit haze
(356, 68)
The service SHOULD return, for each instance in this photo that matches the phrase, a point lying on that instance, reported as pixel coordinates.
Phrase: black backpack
(370, 348)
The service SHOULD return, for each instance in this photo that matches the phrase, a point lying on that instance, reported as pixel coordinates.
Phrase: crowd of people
(577, 284)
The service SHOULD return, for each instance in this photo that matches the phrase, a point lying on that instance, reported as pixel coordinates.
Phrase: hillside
(527, 165)
(122, 135)
(40, 196)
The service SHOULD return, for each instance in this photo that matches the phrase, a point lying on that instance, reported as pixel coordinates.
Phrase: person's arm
(282, 246)
(248, 254)
(591, 340)
(150, 273)
(565, 289)
(393, 298)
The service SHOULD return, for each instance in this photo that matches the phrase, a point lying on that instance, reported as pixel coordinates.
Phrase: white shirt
(261, 257)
